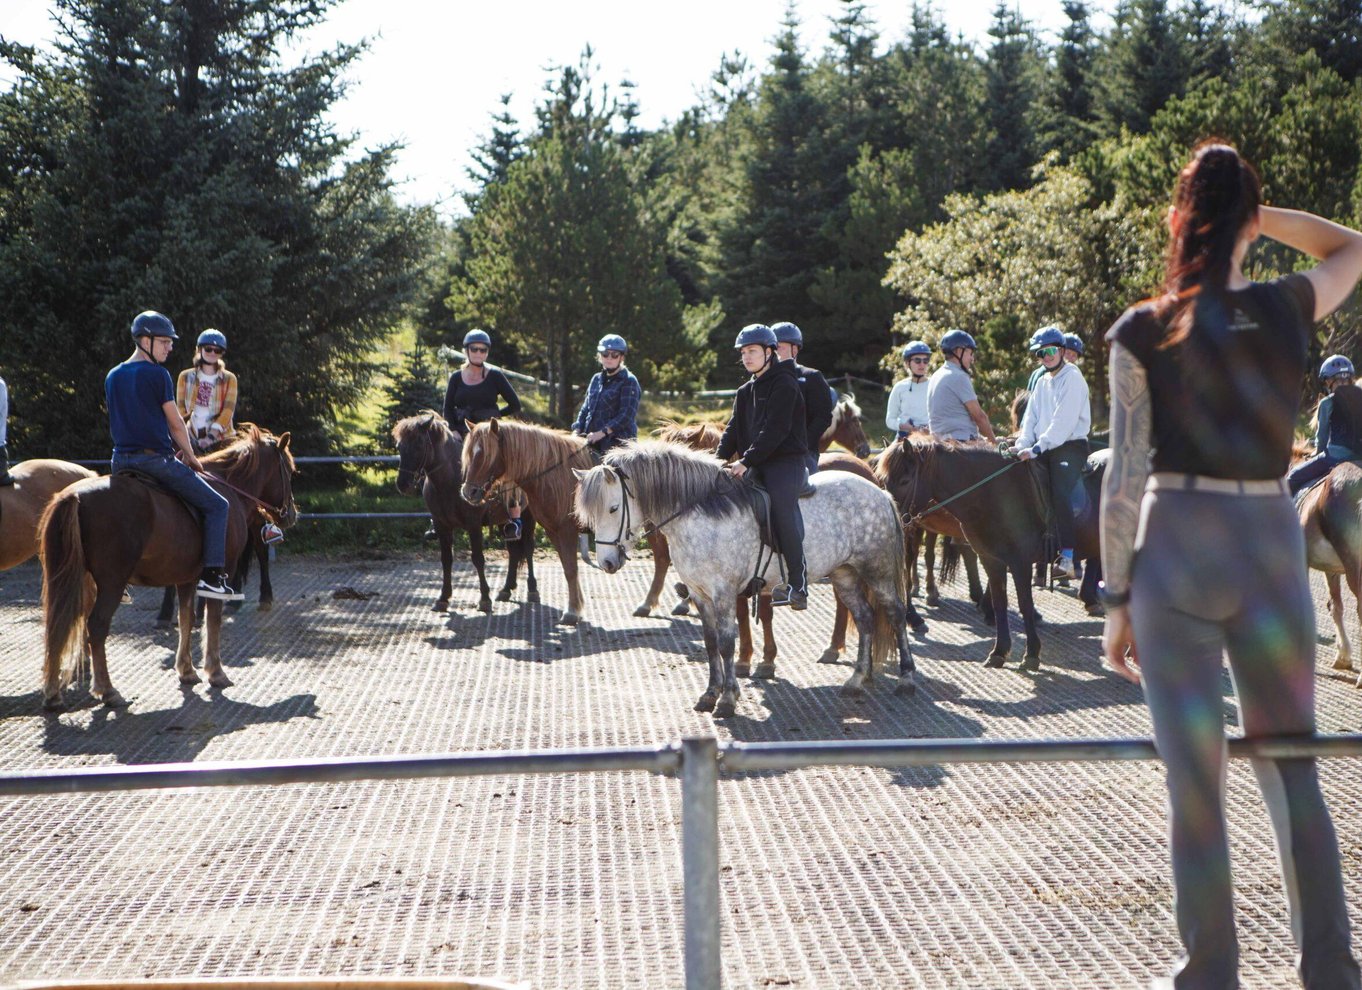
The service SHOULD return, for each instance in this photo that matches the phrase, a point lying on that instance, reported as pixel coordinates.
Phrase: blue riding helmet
(788, 333)
(755, 333)
(1335, 365)
(612, 342)
(1050, 336)
(916, 347)
(476, 337)
(153, 324)
(1074, 343)
(213, 338)
(956, 339)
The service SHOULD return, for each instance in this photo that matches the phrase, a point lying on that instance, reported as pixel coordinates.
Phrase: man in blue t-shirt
(143, 419)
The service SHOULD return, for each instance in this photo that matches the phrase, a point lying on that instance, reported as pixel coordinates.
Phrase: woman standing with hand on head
(1205, 384)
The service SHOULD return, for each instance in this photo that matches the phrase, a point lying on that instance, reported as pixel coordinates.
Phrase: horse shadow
(167, 735)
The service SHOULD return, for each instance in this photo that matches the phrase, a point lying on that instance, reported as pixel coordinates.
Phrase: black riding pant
(1065, 464)
(784, 478)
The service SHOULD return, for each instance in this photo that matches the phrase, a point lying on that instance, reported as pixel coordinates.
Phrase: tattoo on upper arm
(1128, 469)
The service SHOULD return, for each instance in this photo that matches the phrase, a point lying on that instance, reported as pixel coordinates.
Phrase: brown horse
(22, 505)
(846, 429)
(430, 456)
(1003, 519)
(1331, 518)
(115, 531)
(539, 461)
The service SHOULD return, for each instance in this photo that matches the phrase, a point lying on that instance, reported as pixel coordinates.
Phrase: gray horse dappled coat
(852, 534)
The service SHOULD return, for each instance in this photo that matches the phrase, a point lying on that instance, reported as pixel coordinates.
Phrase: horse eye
(614, 508)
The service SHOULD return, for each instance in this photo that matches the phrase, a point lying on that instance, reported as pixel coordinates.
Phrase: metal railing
(699, 761)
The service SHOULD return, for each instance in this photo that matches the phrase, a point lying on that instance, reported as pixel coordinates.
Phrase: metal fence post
(700, 861)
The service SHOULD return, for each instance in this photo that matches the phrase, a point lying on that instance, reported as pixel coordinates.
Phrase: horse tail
(888, 614)
(950, 558)
(63, 557)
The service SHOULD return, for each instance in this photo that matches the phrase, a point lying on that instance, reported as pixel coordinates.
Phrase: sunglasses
(211, 350)
(477, 350)
(613, 354)
(1048, 351)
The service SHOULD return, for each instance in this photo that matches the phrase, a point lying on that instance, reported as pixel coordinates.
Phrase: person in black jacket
(766, 431)
(818, 394)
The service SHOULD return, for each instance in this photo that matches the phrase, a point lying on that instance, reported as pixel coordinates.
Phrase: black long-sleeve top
(768, 418)
(818, 405)
(477, 403)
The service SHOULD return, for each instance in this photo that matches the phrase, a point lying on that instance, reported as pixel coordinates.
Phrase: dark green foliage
(165, 159)
(1012, 76)
(414, 387)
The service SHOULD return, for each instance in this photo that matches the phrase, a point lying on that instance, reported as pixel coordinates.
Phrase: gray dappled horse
(852, 535)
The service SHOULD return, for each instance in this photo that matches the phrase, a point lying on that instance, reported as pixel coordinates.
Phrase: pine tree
(1143, 65)
(411, 390)
(1011, 73)
(1069, 119)
(1332, 29)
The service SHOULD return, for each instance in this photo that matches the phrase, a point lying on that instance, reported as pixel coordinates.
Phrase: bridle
(427, 458)
(624, 538)
(283, 515)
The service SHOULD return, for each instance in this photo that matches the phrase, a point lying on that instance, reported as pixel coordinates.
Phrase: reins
(277, 512)
(916, 519)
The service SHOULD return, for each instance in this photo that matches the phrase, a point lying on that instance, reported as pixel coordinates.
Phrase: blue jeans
(1312, 470)
(182, 480)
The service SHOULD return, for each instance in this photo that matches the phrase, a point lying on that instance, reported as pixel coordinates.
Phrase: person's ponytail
(1218, 194)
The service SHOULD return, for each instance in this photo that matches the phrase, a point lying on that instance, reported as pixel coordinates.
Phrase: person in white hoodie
(907, 411)
(1055, 430)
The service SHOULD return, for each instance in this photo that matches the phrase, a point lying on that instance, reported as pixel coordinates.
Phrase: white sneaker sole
(219, 596)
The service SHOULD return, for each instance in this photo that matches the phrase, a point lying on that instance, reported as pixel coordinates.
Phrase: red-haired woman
(1206, 383)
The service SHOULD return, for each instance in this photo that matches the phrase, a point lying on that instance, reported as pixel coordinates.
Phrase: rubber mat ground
(969, 876)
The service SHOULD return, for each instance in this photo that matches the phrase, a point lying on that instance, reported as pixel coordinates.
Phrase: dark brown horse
(1331, 518)
(430, 456)
(1003, 519)
(107, 533)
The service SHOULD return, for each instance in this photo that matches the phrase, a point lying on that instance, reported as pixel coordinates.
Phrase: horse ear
(468, 425)
(579, 475)
(494, 427)
(284, 439)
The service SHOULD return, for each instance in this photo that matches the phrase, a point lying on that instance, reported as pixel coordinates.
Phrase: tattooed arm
(1122, 493)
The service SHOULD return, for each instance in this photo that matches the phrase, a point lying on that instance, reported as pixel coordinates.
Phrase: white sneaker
(213, 584)
(1064, 567)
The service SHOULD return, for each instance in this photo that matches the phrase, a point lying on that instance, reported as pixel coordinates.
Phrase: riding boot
(5, 477)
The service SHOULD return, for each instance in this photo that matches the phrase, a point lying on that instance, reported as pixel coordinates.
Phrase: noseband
(624, 539)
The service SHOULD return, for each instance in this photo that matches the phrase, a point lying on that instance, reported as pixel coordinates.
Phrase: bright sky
(437, 68)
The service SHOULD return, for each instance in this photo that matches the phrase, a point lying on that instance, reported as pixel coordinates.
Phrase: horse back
(1336, 508)
(848, 463)
(22, 505)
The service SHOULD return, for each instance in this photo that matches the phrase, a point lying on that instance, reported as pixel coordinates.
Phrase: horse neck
(446, 459)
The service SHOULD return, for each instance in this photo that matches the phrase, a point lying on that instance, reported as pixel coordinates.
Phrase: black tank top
(1225, 399)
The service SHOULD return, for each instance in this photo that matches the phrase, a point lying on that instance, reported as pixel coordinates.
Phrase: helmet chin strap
(149, 351)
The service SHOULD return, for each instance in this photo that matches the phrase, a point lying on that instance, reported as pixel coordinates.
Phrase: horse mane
(696, 436)
(665, 476)
(240, 458)
(1020, 401)
(925, 449)
(425, 419)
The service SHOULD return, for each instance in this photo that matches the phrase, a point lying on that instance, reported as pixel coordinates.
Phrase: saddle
(759, 501)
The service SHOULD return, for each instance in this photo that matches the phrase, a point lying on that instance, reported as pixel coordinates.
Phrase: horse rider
(766, 432)
(5, 477)
(1055, 430)
(907, 412)
(147, 428)
(473, 395)
(609, 413)
(953, 410)
(819, 398)
(1338, 435)
(1073, 348)
(206, 392)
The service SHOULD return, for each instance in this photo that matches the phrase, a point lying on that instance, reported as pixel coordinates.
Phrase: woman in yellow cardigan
(206, 393)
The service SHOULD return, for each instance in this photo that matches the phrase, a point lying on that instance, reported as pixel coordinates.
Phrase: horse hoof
(54, 704)
(265, 606)
(504, 595)
(642, 612)
(920, 630)
(190, 678)
(742, 670)
(220, 680)
(569, 619)
(682, 607)
(724, 709)
(681, 590)
(1031, 664)
(706, 702)
(766, 671)
(484, 604)
(441, 606)
(1343, 663)
(532, 598)
(995, 660)
(830, 656)
(853, 688)
(906, 689)
(112, 699)
(1039, 618)
(934, 600)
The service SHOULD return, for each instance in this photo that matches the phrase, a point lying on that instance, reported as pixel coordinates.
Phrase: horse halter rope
(277, 513)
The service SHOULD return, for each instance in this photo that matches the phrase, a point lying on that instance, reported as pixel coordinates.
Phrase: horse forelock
(665, 477)
(427, 420)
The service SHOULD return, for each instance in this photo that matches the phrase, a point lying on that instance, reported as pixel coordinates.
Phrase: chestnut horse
(846, 429)
(22, 505)
(1331, 518)
(430, 456)
(539, 461)
(119, 530)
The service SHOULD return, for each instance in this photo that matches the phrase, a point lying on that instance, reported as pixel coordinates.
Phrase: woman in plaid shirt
(609, 413)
